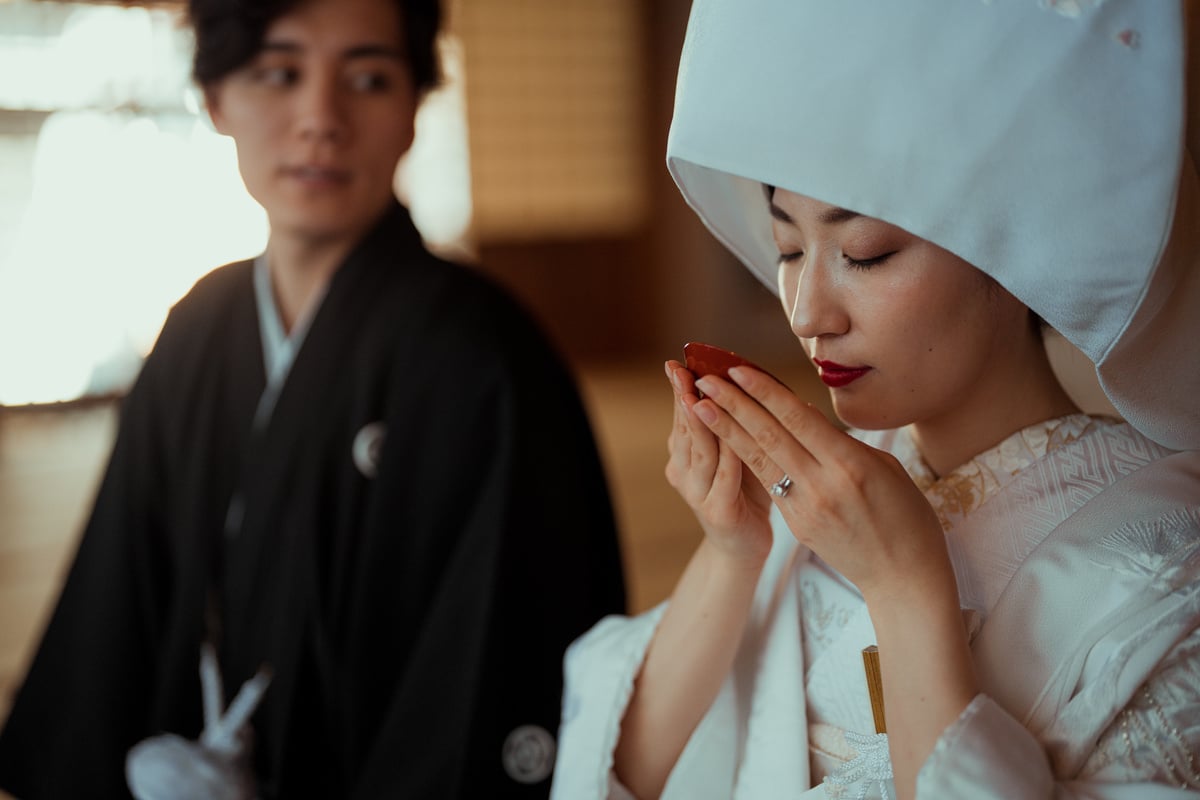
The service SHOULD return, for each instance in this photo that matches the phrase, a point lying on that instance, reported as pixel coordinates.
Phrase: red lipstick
(836, 375)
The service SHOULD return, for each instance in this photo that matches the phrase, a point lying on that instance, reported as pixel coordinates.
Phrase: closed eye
(788, 258)
(867, 263)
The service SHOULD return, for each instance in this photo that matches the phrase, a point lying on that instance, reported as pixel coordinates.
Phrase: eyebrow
(832, 216)
(358, 51)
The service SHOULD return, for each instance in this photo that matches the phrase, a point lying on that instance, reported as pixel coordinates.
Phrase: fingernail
(707, 386)
(705, 412)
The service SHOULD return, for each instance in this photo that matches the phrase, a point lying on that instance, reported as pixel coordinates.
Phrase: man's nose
(321, 113)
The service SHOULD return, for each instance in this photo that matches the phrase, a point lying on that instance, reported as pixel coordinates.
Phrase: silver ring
(781, 486)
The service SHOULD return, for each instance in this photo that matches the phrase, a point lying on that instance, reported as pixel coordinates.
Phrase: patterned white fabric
(797, 687)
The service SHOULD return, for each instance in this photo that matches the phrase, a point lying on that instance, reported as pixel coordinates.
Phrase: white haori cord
(215, 767)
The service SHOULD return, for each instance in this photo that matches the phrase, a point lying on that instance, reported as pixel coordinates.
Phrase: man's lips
(317, 174)
(836, 375)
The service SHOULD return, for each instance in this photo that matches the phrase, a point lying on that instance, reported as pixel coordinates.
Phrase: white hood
(1042, 142)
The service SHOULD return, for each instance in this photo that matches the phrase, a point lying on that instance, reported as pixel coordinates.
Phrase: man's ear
(212, 102)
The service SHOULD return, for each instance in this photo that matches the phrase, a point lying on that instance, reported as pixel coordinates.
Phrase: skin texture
(320, 118)
(946, 351)
(947, 347)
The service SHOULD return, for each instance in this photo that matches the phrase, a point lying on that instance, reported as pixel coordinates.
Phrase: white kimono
(1076, 544)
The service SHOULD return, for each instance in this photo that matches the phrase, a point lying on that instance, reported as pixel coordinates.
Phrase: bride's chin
(863, 416)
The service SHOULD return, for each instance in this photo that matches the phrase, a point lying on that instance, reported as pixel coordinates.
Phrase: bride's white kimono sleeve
(600, 668)
(987, 754)
(752, 741)
(1099, 698)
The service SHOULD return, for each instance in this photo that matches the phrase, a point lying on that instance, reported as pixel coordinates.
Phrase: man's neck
(300, 271)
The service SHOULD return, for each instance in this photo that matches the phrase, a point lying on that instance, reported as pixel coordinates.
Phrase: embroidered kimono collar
(970, 485)
(1043, 142)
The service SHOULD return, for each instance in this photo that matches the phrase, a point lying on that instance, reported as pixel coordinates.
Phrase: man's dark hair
(229, 34)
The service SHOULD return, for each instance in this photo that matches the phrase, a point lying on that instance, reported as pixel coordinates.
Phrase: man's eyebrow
(832, 216)
(280, 47)
(375, 51)
(358, 51)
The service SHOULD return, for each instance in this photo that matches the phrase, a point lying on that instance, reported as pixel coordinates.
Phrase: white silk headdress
(1040, 140)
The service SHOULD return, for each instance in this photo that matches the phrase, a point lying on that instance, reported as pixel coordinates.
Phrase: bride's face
(901, 330)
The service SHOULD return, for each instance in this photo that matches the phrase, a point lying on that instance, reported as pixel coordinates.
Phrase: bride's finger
(679, 445)
(726, 482)
(803, 421)
(759, 439)
(684, 384)
(691, 446)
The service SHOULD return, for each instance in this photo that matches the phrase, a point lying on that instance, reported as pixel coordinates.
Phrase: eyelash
(867, 263)
(854, 263)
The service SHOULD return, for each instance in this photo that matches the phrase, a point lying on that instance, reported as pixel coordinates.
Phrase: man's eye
(370, 82)
(276, 76)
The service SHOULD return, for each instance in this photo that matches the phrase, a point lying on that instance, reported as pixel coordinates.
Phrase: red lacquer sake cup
(705, 359)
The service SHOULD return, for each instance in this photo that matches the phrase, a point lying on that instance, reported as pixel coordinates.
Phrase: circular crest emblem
(368, 448)
(528, 754)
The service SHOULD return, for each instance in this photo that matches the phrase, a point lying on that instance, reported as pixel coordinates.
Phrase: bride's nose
(810, 298)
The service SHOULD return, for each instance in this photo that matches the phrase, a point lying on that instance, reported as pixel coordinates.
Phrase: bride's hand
(730, 503)
(852, 504)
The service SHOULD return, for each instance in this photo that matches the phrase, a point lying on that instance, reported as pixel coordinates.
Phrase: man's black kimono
(412, 619)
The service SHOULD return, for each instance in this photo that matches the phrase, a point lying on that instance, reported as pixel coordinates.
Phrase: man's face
(321, 116)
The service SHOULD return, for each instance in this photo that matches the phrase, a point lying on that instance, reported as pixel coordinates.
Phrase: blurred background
(541, 161)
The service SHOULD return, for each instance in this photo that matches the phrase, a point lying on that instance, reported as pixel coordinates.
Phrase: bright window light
(118, 194)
